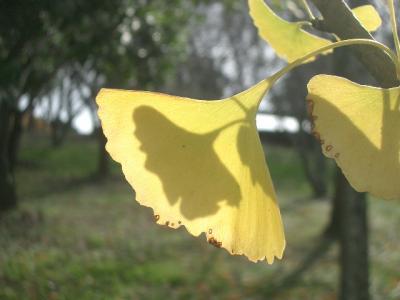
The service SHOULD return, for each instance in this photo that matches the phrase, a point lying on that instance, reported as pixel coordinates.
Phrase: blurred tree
(22, 68)
(37, 39)
(51, 49)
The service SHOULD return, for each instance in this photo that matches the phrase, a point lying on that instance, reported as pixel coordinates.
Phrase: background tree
(52, 49)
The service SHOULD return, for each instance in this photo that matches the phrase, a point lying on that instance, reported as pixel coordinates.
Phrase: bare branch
(338, 19)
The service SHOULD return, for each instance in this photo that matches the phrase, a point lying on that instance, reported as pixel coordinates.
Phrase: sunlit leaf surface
(358, 126)
(198, 164)
(288, 39)
(368, 17)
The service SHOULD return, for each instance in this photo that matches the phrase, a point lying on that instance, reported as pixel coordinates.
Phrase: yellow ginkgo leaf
(288, 39)
(358, 126)
(368, 17)
(199, 164)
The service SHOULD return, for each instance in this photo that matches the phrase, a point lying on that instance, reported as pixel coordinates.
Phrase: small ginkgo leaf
(368, 17)
(358, 126)
(199, 164)
(288, 39)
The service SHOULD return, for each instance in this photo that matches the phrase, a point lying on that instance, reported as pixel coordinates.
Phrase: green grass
(72, 238)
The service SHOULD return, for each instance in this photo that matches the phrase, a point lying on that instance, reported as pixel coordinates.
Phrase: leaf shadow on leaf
(368, 167)
(186, 164)
(252, 156)
(251, 151)
(391, 144)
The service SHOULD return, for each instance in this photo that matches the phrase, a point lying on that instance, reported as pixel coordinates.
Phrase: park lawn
(75, 238)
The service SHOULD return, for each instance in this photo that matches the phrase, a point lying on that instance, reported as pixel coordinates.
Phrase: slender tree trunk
(314, 164)
(349, 225)
(103, 168)
(56, 127)
(333, 228)
(351, 216)
(14, 138)
(8, 197)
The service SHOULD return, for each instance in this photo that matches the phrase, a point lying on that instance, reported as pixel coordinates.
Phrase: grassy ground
(74, 239)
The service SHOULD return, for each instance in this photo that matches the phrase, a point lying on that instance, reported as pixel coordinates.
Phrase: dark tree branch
(338, 19)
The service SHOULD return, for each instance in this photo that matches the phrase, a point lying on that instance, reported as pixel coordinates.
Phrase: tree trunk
(314, 164)
(103, 169)
(333, 228)
(351, 215)
(14, 138)
(8, 196)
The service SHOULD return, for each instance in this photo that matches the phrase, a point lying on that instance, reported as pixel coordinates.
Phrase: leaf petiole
(308, 10)
(304, 23)
(343, 43)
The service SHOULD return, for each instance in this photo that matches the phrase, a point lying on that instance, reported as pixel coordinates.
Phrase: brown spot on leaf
(156, 217)
(167, 223)
(316, 135)
(179, 222)
(328, 148)
(210, 231)
(214, 242)
(337, 155)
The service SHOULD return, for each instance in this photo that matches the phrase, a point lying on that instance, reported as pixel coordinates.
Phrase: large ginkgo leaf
(358, 126)
(288, 39)
(199, 164)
